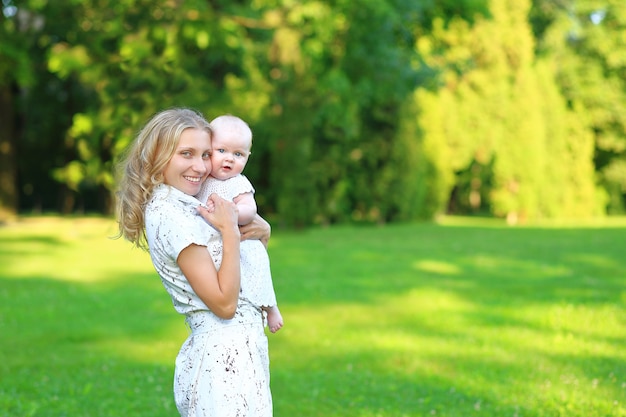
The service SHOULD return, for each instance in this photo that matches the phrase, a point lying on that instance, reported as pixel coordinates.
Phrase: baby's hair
(234, 123)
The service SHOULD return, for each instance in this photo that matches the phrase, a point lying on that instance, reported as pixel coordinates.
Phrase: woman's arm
(257, 229)
(219, 290)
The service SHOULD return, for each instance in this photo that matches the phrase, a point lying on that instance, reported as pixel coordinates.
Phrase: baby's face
(230, 154)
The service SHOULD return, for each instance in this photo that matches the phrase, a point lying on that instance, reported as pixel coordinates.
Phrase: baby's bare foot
(274, 319)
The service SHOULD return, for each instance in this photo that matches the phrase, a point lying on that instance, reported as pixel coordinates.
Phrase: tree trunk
(8, 177)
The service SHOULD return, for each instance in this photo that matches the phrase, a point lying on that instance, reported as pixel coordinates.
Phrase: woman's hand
(223, 216)
(257, 229)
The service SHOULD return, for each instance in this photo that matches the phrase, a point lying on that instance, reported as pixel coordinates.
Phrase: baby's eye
(220, 150)
(238, 154)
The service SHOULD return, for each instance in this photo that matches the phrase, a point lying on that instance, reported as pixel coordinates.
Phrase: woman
(222, 369)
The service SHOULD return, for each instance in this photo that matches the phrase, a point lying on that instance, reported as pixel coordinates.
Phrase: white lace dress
(222, 369)
(256, 277)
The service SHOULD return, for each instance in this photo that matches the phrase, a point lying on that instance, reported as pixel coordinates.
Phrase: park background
(362, 111)
(446, 182)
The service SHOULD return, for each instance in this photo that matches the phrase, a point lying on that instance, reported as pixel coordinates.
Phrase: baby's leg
(274, 318)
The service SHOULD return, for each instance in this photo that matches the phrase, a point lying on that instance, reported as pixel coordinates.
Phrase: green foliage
(516, 157)
(461, 317)
(585, 36)
(369, 111)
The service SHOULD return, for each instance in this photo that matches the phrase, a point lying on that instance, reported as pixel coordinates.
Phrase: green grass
(465, 317)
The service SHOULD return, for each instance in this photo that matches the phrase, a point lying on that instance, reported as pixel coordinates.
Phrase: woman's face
(191, 163)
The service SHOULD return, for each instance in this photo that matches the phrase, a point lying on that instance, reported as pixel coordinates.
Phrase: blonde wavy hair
(142, 166)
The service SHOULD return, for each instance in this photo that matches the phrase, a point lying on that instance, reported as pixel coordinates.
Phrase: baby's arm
(247, 207)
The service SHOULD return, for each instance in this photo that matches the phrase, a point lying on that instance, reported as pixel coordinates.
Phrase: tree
(510, 152)
(17, 30)
(584, 36)
(371, 111)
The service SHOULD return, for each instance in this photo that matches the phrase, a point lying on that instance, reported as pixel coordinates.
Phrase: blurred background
(362, 111)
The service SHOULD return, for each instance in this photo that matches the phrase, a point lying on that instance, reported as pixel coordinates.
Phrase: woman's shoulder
(171, 205)
(172, 217)
(168, 196)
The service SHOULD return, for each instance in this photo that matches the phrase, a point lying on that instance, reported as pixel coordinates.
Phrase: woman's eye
(186, 154)
(206, 155)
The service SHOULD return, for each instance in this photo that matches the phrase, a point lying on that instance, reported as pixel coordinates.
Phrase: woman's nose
(200, 165)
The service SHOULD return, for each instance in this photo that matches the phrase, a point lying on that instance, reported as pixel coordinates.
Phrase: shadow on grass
(407, 366)
(515, 321)
(486, 264)
(393, 321)
(13, 249)
(74, 349)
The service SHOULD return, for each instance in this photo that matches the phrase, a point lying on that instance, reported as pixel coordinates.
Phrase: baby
(231, 144)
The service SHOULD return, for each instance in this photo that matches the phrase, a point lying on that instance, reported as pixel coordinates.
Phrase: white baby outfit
(256, 277)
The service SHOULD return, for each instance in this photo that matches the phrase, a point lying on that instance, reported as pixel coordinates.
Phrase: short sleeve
(175, 228)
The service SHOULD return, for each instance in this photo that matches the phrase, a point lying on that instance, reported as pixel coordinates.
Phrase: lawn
(463, 317)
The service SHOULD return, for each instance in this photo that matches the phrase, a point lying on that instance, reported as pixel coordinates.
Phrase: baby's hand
(210, 206)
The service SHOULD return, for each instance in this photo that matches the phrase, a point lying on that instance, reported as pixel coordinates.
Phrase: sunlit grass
(465, 317)
(68, 249)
